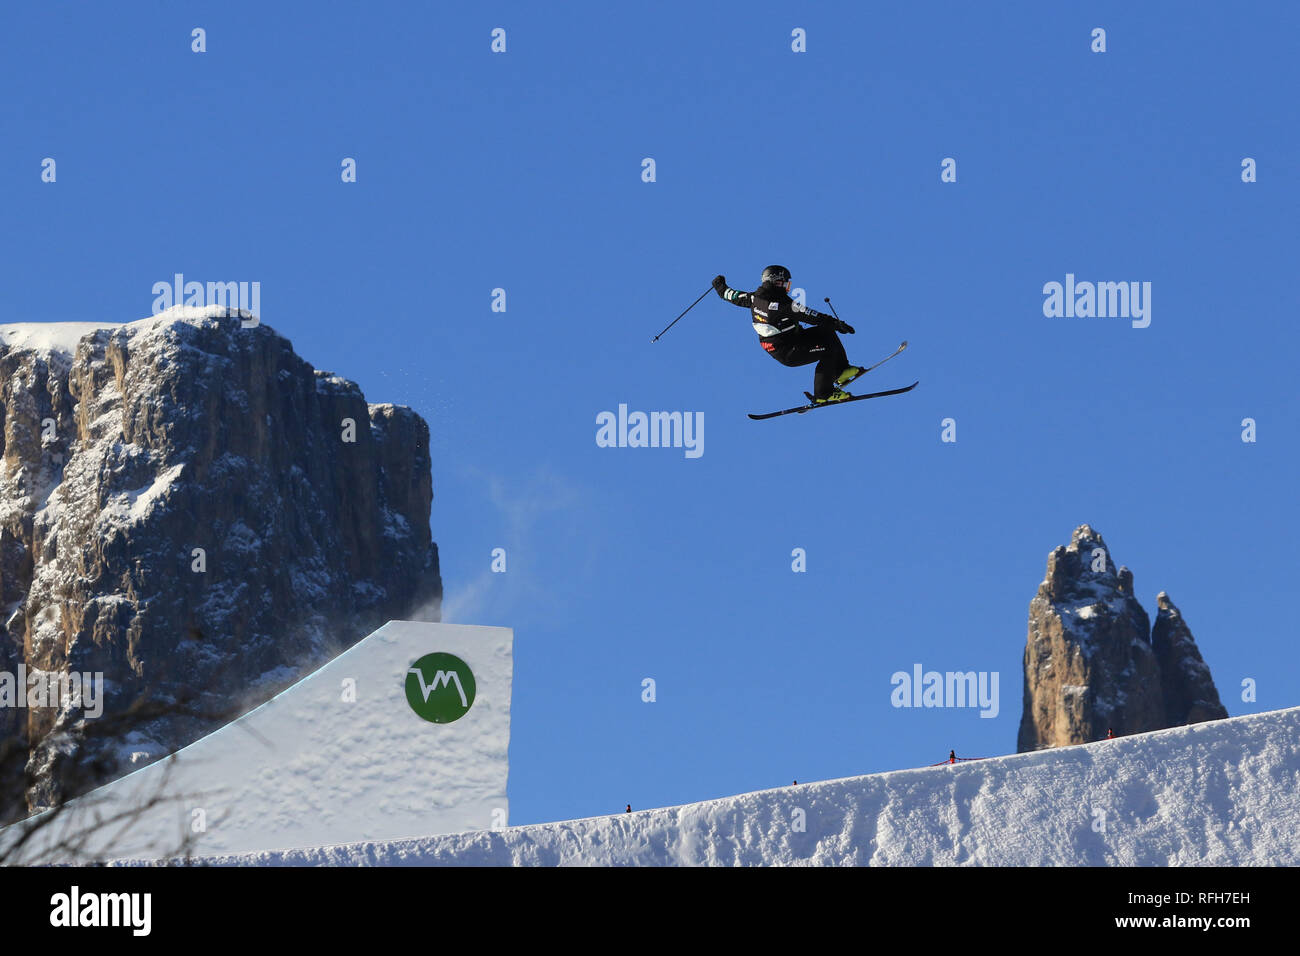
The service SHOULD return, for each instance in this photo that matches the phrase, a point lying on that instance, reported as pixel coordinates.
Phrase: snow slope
(1225, 792)
(341, 755)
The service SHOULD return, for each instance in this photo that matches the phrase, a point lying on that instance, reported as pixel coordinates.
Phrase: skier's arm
(734, 296)
(813, 317)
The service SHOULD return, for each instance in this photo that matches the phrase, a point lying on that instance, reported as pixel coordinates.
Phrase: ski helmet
(776, 275)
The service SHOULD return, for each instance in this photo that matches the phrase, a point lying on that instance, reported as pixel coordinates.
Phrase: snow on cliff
(61, 338)
(1221, 793)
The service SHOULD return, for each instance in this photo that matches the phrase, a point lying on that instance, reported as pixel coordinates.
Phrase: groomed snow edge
(1219, 793)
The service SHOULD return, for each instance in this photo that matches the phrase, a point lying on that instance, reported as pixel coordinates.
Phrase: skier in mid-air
(776, 319)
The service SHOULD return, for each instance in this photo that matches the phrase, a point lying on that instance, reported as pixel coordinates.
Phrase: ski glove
(843, 327)
(719, 284)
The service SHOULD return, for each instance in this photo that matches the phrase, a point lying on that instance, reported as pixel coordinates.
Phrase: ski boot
(849, 374)
(837, 395)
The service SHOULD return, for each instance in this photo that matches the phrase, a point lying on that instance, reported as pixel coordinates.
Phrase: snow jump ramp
(404, 734)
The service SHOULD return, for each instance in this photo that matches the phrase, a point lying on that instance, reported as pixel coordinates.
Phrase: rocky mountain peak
(187, 507)
(1080, 568)
(1092, 661)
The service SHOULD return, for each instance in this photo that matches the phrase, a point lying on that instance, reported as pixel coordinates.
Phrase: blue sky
(522, 171)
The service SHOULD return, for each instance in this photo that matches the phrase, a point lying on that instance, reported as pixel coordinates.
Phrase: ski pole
(688, 308)
(847, 327)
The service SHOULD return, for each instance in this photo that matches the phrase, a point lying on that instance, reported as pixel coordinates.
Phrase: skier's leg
(818, 344)
(793, 351)
(832, 361)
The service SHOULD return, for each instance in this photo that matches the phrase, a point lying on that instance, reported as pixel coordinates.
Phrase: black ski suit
(776, 319)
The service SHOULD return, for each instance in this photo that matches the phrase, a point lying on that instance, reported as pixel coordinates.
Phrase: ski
(878, 364)
(800, 409)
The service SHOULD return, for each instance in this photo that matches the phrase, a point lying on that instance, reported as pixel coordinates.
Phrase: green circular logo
(440, 687)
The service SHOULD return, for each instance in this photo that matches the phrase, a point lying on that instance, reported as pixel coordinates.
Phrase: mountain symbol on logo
(440, 679)
(448, 671)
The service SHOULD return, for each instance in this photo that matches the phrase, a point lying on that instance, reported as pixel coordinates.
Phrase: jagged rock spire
(1189, 691)
(1091, 661)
